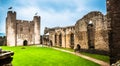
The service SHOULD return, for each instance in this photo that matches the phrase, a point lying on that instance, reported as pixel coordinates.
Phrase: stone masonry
(22, 32)
(61, 36)
(90, 32)
(113, 10)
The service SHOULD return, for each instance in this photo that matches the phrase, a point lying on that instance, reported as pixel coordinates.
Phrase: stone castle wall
(89, 32)
(113, 10)
(36, 21)
(25, 31)
(18, 31)
(10, 28)
(99, 35)
(60, 36)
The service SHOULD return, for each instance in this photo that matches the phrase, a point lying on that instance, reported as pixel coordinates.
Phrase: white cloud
(2, 26)
(50, 16)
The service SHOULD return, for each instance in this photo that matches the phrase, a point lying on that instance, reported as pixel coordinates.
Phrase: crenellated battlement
(23, 21)
(11, 12)
(36, 16)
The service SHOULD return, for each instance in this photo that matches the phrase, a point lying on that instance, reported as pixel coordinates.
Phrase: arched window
(72, 40)
(60, 40)
(90, 31)
(55, 38)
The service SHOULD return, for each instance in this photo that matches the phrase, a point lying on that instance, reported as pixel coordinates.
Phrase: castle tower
(36, 21)
(11, 28)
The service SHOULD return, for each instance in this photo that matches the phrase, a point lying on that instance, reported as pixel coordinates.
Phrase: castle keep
(22, 32)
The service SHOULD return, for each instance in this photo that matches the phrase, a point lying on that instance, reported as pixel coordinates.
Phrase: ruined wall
(57, 36)
(60, 36)
(113, 10)
(97, 19)
(90, 32)
(69, 31)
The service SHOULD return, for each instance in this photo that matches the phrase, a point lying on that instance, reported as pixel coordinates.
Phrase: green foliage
(43, 56)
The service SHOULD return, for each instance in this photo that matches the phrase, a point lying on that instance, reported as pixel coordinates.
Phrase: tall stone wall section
(113, 10)
(36, 21)
(25, 31)
(11, 28)
(100, 36)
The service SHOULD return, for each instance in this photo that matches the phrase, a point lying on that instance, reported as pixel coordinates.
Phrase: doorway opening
(25, 43)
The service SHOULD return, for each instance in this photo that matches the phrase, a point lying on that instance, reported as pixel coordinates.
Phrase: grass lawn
(42, 56)
(96, 56)
(100, 57)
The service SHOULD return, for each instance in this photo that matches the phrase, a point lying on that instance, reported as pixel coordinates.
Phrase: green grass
(96, 56)
(42, 56)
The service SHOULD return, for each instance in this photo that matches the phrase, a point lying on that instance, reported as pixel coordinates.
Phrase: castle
(89, 32)
(22, 32)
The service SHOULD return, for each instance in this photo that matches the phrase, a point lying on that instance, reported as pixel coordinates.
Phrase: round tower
(36, 21)
(11, 28)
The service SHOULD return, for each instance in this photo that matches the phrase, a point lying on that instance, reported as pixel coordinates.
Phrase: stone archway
(25, 43)
(77, 49)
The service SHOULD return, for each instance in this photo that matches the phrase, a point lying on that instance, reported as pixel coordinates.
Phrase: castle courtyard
(47, 56)
(60, 33)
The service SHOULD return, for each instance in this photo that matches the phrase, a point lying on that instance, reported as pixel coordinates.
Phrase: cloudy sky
(53, 12)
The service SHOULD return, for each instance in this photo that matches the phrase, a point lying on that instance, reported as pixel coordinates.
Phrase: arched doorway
(25, 43)
(78, 47)
(72, 40)
(90, 31)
